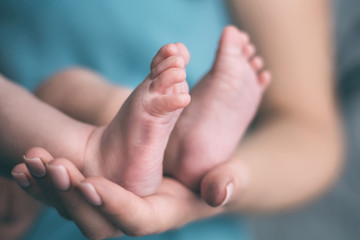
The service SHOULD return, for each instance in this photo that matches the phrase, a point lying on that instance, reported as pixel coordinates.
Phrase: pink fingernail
(89, 192)
(59, 176)
(21, 179)
(229, 190)
(35, 166)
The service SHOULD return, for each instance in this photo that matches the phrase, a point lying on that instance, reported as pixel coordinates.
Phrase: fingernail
(229, 190)
(21, 179)
(89, 192)
(35, 166)
(59, 176)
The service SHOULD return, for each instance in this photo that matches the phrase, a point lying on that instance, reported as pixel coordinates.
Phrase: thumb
(225, 183)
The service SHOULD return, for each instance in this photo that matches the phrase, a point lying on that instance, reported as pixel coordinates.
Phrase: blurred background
(336, 215)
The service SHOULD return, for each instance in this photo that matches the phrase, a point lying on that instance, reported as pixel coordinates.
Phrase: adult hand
(226, 184)
(101, 208)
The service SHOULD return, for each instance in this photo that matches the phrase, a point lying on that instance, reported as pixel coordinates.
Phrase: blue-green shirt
(117, 39)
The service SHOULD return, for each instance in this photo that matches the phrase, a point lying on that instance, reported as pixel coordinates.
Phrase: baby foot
(129, 151)
(223, 104)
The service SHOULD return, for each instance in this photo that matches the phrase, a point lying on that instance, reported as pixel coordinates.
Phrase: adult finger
(36, 160)
(25, 180)
(31, 176)
(225, 183)
(21, 173)
(65, 177)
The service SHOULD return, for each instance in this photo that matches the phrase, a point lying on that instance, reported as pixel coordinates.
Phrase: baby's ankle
(93, 155)
(107, 110)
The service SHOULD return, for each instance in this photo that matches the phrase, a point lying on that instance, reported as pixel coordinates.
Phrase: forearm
(27, 122)
(295, 152)
(295, 39)
(289, 161)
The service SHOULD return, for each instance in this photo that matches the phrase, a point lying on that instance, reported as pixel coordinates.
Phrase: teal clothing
(117, 39)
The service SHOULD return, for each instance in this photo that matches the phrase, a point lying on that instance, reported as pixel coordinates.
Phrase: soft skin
(299, 137)
(223, 104)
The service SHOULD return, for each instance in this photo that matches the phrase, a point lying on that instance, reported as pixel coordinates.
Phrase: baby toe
(264, 78)
(257, 63)
(170, 62)
(183, 52)
(249, 50)
(165, 51)
(171, 102)
(167, 79)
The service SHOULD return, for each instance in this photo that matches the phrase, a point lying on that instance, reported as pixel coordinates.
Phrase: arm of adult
(25, 121)
(294, 152)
